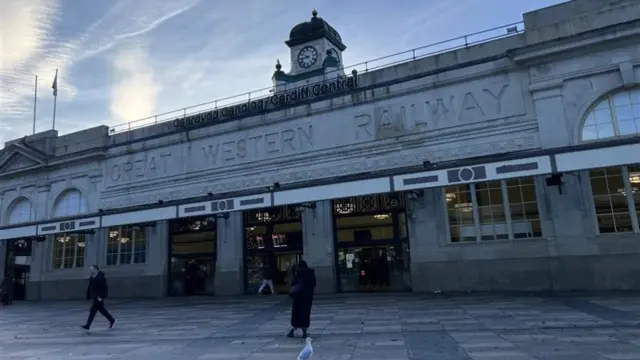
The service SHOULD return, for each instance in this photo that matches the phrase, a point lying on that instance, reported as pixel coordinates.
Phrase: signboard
(69, 226)
(275, 102)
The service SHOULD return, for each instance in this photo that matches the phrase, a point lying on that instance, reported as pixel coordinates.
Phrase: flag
(55, 84)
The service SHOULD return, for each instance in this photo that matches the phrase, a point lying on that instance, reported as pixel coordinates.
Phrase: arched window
(68, 248)
(69, 203)
(616, 115)
(20, 211)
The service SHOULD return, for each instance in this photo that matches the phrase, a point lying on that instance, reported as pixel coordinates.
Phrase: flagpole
(35, 102)
(55, 98)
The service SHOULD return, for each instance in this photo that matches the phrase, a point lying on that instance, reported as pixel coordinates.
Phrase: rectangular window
(493, 210)
(126, 245)
(68, 251)
(615, 197)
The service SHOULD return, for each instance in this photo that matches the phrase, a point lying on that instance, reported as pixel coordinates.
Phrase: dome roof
(316, 28)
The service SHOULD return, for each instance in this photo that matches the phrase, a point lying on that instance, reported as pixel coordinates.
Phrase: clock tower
(316, 54)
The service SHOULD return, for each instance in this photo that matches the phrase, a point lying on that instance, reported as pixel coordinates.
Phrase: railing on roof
(363, 67)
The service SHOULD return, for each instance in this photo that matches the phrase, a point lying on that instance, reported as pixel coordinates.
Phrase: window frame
(75, 251)
(145, 230)
(631, 206)
(609, 98)
(14, 205)
(507, 211)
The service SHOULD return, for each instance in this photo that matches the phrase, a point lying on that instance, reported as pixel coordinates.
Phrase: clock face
(307, 57)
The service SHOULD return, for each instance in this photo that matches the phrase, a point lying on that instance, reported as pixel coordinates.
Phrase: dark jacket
(97, 287)
(269, 273)
(306, 278)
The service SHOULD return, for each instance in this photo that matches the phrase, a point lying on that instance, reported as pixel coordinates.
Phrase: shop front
(273, 238)
(192, 256)
(17, 267)
(372, 243)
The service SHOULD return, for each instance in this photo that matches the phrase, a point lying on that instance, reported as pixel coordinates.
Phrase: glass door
(17, 267)
(192, 257)
(374, 268)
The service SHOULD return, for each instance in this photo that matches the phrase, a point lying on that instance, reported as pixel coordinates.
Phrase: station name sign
(291, 97)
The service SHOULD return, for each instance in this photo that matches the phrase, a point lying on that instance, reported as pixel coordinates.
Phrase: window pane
(605, 131)
(491, 211)
(523, 207)
(79, 243)
(127, 245)
(589, 132)
(460, 213)
(610, 201)
(622, 98)
(602, 117)
(627, 127)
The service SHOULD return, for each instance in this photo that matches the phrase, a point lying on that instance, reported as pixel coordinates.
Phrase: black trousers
(98, 306)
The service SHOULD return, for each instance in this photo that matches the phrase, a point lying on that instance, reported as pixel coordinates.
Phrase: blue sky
(122, 60)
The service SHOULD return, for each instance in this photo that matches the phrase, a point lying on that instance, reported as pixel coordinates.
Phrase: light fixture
(113, 234)
(465, 207)
(81, 244)
(345, 208)
(381, 216)
(634, 177)
(124, 240)
(623, 192)
(263, 216)
(64, 239)
(449, 197)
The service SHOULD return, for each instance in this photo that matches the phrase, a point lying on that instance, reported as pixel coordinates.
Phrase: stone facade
(525, 92)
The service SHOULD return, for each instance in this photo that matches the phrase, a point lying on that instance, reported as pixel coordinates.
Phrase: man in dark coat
(98, 292)
(268, 275)
(302, 288)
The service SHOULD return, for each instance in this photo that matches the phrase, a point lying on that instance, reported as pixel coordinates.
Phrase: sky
(124, 60)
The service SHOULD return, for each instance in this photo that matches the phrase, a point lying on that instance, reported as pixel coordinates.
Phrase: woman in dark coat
(302, 289)
(6, 289)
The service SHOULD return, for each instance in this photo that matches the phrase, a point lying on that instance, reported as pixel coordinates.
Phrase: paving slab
(344, 327)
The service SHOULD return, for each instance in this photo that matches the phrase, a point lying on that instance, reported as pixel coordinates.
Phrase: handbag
(295, 290)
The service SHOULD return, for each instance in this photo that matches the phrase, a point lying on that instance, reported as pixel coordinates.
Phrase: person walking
(6, 289)
(302, 289)
(268, 274)
(98, 292)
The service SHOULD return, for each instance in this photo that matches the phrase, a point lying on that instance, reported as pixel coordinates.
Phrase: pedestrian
(97, 291)
(267, 279)
(302, 289)
(6, 289)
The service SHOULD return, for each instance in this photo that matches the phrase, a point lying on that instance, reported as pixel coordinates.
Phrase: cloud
(24, 29)
(134, 91)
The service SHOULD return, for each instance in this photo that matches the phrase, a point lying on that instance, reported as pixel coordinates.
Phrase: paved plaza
(345, 327)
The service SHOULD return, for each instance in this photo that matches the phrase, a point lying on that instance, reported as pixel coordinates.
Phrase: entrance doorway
(192, 256)
(372, 245)
(18, 266)
(273, 238)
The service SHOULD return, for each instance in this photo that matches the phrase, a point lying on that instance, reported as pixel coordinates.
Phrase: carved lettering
(437, 110)
(141, 168)
(470, 109)
(259, 147)
(363, 127)
(497, 97)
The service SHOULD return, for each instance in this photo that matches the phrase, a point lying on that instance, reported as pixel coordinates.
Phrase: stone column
(41, 251)
(427, 231)
(318, 244)
(229, 277)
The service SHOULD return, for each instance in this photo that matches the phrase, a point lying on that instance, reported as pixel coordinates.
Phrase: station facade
(508, 165)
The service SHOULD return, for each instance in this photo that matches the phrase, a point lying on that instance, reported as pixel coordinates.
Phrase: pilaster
(229, 277)
(318, 244)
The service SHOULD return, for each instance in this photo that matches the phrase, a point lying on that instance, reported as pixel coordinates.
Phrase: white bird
(306, 353)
